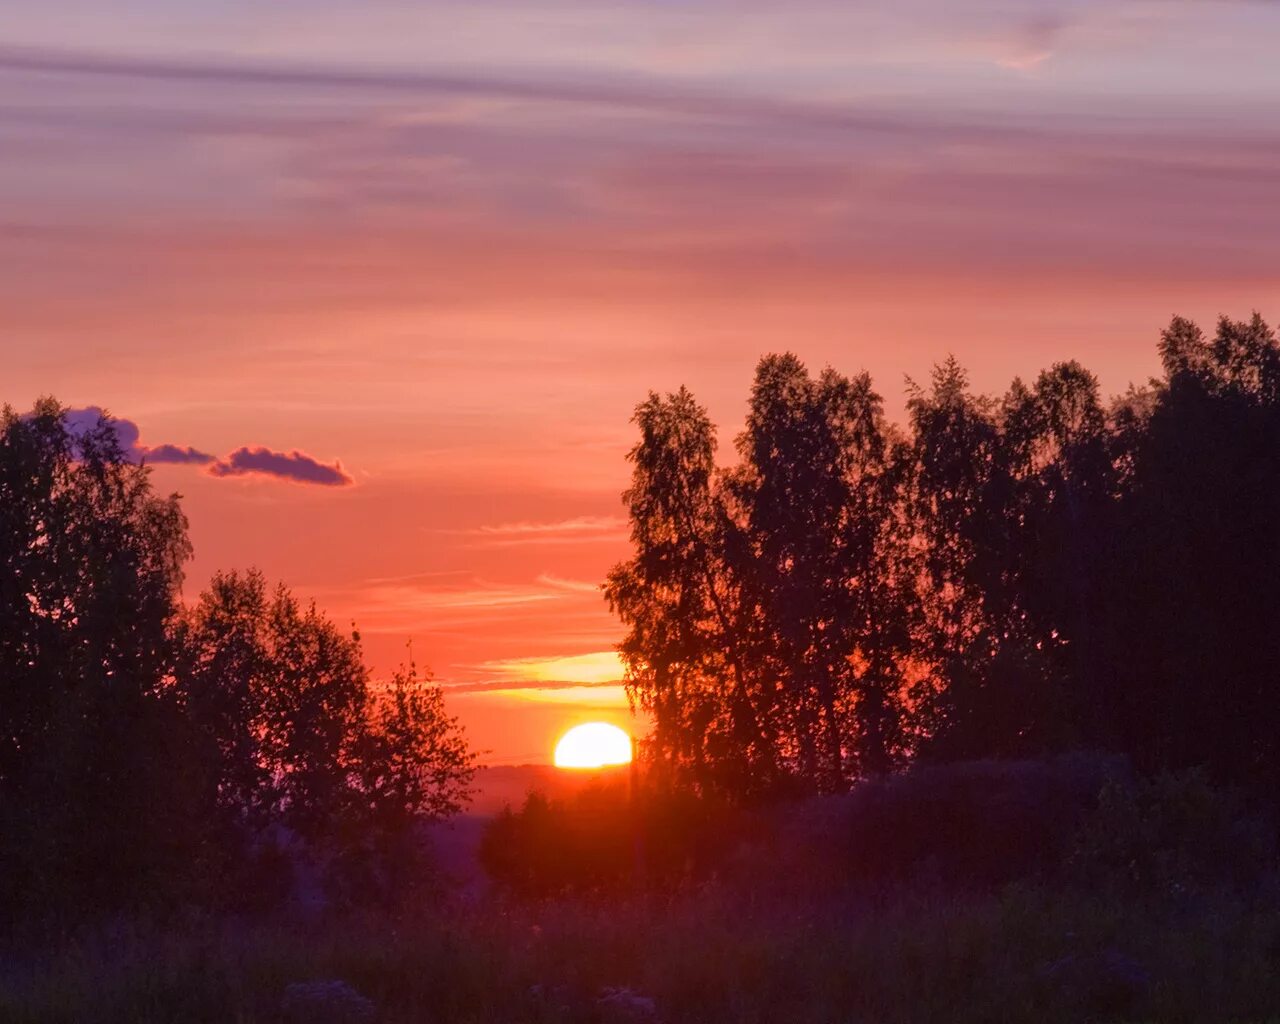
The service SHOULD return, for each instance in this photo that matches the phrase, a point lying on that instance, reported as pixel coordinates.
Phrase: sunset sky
(441, 250)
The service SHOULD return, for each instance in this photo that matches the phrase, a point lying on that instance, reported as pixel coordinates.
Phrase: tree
(145, 749)
(1193, 631)
(412, 758)
(97, 779)
(961, 507)
(815, 502)
(770, 607)
(687, 646)
(304, 739)
(1008, 577)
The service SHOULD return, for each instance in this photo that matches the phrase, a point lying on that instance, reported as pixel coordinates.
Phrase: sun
(593, 745)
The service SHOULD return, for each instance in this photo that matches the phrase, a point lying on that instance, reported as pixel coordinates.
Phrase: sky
(378, 285)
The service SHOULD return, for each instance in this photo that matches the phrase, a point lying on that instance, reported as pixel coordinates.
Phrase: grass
(899, 958)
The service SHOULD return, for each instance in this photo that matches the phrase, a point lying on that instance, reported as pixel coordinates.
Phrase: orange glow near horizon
(596, 669)
(593, 745)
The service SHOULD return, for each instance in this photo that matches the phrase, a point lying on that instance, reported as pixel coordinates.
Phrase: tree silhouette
(304, 739)
(95, 784)
(1008, 576)
(688, 649)
(146, 749)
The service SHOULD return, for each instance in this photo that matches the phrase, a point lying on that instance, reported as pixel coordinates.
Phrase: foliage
(150, 753)
(1173, 834)
(306, 744)
(607, 839)
(1033, 954)
(96, 786)
(1007, 577)
(303, 737)
(972, 823)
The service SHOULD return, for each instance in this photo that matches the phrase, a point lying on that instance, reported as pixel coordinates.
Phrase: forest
(154, 753)
(972, 717)
(1005, 576)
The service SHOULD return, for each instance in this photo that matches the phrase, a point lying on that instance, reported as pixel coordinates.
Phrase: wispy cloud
(578, 524)
(594, 669)
(576, 530)
(576, 586)
(606, 695)
(1033, 42)
(413, 606)
(628, 91)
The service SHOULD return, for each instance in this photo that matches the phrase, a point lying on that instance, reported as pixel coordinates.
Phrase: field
(781, 932)
(1024, 955)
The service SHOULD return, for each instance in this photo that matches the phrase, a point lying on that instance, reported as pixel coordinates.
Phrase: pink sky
(452, 245)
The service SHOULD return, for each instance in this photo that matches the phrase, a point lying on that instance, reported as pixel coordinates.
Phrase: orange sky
(452, 246)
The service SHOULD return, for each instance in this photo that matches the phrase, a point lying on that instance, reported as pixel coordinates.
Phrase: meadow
(1155, 925)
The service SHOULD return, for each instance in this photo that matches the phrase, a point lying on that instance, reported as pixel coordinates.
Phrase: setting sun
(593, 745)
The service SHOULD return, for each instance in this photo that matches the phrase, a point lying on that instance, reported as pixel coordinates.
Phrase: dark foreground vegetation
(970, 720)
(992, 892)
(154, 755)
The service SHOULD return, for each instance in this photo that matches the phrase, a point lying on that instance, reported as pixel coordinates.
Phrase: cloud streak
(574, 586)
(596, 668)
(577, 530)
(634, 91)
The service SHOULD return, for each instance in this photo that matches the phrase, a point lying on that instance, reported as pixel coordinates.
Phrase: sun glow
(593, 745)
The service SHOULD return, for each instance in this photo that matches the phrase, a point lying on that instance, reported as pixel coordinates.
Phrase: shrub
(973, 823)
(1172, 834)
(606, 838)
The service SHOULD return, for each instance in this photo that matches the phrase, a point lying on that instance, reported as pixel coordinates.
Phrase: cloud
(576, 586)
(635, 91)
(513, 687)
(177, 454)
(1033, 43)
(597, 668)
(245, 461)
(577, 530)
(295, 465)
(80, 422)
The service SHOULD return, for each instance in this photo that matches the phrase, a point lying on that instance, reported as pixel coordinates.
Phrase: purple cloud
(81, 421)
(294, 465)
(177, 454)
(244, 461)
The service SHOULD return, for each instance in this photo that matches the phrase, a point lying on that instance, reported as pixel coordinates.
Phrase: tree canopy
(149, 750)
(1002, 576)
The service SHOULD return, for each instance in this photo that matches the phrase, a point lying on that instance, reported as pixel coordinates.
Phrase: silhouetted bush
(1039, 955)
(605, 838)
(1075, 820)
(1172, 834)
(973, 823)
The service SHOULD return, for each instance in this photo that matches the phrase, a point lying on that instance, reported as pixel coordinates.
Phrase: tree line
(153, 751)
(1001, 576)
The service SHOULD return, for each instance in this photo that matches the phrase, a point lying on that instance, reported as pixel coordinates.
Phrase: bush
(973, 823)
(606, 838)
(1172, 834)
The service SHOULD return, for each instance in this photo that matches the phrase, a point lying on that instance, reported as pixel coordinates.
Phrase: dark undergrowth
(1020, 954)
(1056, 891)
